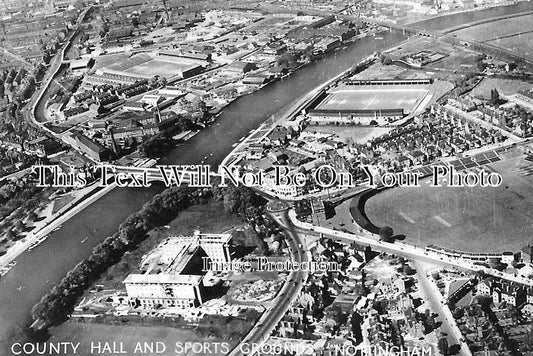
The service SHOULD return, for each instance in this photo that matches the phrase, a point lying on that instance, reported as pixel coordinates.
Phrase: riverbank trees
(54, 307)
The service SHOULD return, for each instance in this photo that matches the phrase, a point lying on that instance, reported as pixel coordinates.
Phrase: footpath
(82, 198)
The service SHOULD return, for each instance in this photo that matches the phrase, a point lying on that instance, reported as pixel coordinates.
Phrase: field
(357, 134)
(504, 86)
(493, 30)
(471, 219)
(374, 99)
(146, 65)
(129, 335)
(515, 34)
(162, 68)
(522, 44)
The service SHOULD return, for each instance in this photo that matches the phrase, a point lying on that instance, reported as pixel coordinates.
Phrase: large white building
(168, 290)
(216, 246)
(163, 280)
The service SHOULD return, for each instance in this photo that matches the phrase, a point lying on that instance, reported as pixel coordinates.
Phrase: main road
(290, 290)
(404, 250)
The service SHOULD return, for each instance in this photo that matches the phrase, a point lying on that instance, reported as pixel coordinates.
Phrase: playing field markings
(407, 218)
(442, 221)
(489, 169)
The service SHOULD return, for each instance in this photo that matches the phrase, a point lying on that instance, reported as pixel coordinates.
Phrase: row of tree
(56, 305)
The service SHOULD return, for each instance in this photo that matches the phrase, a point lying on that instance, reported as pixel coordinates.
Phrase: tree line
(54, 307)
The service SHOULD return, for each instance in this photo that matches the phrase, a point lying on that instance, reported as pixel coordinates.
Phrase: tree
(385, 59)
(385, 233)
(356, 322)
(156, 146)
(19, 225)
(32, 216)
(10, 234)
(458, 313)
(338, 316)
(286, 60)
(497, 264)
(494, 98)
(408, 270)
(443, 346)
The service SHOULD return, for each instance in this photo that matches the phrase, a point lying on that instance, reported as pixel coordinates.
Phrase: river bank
(82, 198)
(37, 271)
(291, 112)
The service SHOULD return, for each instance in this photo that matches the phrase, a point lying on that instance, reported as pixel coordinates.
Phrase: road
(286, 296)
(30, 111)
(292, 287)
(405, 250)
(419, 255)
(436, 301)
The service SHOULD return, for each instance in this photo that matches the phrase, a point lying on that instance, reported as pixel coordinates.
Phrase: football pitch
(469, 219)
(147, 66)
(374, 99)
(165, 69)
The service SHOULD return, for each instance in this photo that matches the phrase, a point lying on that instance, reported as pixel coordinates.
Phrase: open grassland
(522, 44)
(129, 336)
(493, 30)
(504, 86)
(471, 219)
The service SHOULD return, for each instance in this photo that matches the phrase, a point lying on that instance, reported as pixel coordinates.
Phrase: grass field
(504, 86)
(492, 30)
(470, 219)
(147, 65)
(522, 44)
(374, 99)
(164, 69)
(515, 34)
(129, 335)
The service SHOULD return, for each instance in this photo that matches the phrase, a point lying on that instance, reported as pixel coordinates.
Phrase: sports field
(374, 99)
(497, 29)
(162, 68)
(146, 65)
(470, 219)
(515, 34)
(522, 44)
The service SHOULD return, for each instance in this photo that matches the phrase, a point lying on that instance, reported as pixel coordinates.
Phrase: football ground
(165, 69)
(469, 219)
(406, 98)
(146, 65)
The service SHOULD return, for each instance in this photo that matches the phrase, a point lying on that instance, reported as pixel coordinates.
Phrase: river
(38, 270)
(41, 268)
